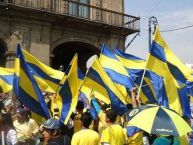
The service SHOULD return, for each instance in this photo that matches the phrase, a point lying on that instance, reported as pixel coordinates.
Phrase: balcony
(77, 10)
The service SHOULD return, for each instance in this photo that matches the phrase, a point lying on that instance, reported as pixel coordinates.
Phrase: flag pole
(2, 138)
(141, 84)
(155, 22)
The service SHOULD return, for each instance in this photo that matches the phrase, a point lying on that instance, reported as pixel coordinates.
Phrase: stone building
(54, 30)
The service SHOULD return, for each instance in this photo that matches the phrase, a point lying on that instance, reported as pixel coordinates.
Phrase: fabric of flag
(114, 68)
(100, 91)
(163, 62)
(6, 79)
(131, 130)
(151, 90)
(95, 108)
(82, 97)
(47, 78)
(28, 91)
(67, 97)
(189, 85)
(190, 88)
(185, 101)
(96, 76)
(92, 102)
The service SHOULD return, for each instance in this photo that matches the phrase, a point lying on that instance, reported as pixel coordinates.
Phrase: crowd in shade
(122, 100)
(18, 128)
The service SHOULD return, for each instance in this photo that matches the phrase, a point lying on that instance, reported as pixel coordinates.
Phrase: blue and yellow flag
(190, 88)
(47, 78)
(150, 90)
(95, 108)
(163, 62)
(67, 97)
(28, 91)
(98, 80)
(114, 68)
(6, 79)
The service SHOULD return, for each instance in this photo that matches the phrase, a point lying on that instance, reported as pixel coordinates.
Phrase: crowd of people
(18, 127)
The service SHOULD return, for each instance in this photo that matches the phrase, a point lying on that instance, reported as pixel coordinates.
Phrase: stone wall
(41, 37)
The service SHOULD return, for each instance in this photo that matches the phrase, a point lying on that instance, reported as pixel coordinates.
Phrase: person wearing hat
(26, 127)
(52, 134)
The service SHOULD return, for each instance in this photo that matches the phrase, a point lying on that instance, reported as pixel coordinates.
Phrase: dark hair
(111, 115)
(129, 106)
(80, 105)
(22, 111)
(86, 119)
(104, 106)
(6, 119)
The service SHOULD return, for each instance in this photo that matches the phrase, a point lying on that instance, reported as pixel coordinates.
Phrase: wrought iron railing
(78, 10)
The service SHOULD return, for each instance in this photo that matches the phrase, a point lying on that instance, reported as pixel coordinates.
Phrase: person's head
(22, 114)
(86, 119)
(80, 107)
(4, 95)
(110, 116)
(6, 121)
(104, 106)
(51, 129)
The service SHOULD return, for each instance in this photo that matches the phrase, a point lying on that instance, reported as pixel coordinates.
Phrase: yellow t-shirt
(136, 139)
(25, 130)
(85, 137)
(113, 135)
(118, 120)
(77, 123)
(102, 122)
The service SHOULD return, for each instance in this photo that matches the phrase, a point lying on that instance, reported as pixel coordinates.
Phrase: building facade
(54, 30)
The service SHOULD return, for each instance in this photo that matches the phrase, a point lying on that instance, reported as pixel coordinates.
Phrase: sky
(171, 14)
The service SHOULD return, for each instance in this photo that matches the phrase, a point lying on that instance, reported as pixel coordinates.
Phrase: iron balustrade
(79, 10)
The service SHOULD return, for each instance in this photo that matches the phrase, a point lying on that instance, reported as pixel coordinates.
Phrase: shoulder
(117, 127)
(11, 132)
(77, 134)
(92, 132)
(32, 120)
(15, 122)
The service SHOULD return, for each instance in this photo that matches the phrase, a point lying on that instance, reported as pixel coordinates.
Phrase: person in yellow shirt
(77, 115)
(113, 134)
(102, 118)
(25, 127)
(85, 136)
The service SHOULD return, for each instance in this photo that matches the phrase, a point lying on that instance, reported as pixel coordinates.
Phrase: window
(76, 9)
(84, 10)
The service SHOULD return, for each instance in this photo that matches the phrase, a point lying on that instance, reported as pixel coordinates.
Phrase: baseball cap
(21, 111)
(51, 124)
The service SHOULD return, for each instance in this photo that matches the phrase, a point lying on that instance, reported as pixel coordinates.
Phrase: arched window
(2, 53)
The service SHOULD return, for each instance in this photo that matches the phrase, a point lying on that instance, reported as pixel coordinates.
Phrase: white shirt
(11, 138)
